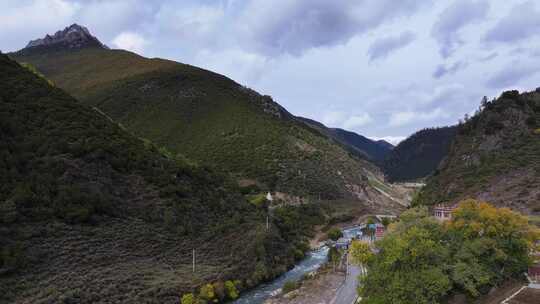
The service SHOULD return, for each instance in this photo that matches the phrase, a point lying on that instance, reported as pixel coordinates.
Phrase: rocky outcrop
(72, 37)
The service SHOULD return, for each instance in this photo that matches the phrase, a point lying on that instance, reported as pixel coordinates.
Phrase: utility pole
(193, 260)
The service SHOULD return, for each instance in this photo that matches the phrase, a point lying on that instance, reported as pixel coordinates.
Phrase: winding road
(347, 293)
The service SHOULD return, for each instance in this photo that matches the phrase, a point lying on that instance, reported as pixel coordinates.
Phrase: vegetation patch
(422, 260)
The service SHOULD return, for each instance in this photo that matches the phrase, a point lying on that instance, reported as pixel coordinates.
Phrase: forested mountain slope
(89, 212)
(495, 156)
(211, 119)
(419, 155)
(375, 151)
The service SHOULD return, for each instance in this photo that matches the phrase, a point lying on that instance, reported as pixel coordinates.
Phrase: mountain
(375, 151)
(495, 156)
(89, 212)
(385, 144)
(213, 120)
(72, 37)
(419, 155)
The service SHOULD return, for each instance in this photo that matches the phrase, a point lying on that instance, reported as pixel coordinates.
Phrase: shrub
(188, 298)
(207, 292)
(334, 234)
(232, 292)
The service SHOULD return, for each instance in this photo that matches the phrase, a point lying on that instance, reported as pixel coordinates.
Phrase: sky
(381, 68)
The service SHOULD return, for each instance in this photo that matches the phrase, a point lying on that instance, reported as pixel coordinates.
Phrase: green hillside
(211, 119)
(419, 155)
(495, 156)
(89, 212)
(362, 147)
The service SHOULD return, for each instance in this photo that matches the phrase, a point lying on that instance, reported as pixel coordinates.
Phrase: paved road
(347, 294)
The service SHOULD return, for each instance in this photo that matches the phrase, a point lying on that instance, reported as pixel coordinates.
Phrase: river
(312, 262)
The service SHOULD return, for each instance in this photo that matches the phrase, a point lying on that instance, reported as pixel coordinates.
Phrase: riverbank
(320, 288)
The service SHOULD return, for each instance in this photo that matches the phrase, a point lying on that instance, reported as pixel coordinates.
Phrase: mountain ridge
(494, 156)
(419, 155)
(360, 145)
(212, 119)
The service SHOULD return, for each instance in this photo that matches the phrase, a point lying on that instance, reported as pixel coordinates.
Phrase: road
(347, 294)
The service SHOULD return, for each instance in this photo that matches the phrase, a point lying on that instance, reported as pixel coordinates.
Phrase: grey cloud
(292, 27)
(453, 19)
(511, 75)
(522, 21)
(442, 69)
(489, 57)
(381, 48)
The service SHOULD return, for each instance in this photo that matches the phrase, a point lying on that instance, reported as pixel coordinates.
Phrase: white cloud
(356, 121)
(243, 67)
(333, 118)
(407, 117)
(32, 19)
(130, 41)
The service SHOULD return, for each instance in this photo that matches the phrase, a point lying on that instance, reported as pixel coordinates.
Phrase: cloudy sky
(382, 68)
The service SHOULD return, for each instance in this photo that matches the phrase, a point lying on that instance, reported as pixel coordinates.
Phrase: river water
(312, 262)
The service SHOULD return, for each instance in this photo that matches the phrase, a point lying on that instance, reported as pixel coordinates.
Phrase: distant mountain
(213, 120)
(94, 213)
(419, 155)
(385, 144)
(495, 156)
(361, 146)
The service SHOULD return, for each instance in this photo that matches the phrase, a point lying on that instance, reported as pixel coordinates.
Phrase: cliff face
(72, 37)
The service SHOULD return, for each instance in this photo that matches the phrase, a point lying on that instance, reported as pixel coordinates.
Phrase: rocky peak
(72, 37)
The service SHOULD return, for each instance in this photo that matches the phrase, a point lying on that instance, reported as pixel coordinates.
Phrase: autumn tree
(489, 245)
(422, 260)
(360, 254)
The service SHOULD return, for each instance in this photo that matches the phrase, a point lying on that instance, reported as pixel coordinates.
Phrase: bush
(232, 292)
(334, 234)
(188, 298)
(290, 286)
(207, 292)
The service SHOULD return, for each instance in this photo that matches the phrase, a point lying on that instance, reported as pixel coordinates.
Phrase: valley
(129, 178)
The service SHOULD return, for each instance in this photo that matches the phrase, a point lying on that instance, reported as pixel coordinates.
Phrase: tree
(421, 260)
(334, 234)
(232, 292)
(334, 256)
(207, 292)
(188, 298)
(360, 253)
(489, 245)
(385, 221)
(409, 265)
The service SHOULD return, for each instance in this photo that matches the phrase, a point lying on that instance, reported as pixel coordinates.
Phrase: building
(343, 243)
(379, 231)
(443, 212)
